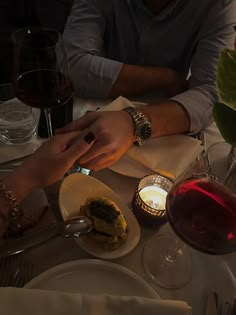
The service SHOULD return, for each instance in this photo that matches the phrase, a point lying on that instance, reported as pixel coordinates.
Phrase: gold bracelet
(15, 212)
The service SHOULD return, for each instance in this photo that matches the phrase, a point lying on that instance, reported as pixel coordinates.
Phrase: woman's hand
(114, 134)
(49, 163)
(55, 157)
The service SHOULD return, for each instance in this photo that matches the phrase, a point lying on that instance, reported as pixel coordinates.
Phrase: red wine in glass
(43, 88)
(202, 212)
(41, 70)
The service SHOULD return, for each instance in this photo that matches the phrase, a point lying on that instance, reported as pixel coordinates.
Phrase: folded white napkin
(16, 301)
(169, 155)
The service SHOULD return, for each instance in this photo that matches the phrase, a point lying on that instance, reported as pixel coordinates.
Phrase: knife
(36, 238)
(71, 228)
(211, 307)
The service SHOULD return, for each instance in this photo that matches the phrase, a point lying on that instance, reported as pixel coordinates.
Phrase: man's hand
(52, 160)
(114, 134)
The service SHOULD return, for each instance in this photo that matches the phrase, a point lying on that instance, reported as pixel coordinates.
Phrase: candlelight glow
(154, 197)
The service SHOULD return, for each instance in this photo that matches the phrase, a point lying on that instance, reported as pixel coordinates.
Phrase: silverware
(72, 228)
(211, 307)
(14, 272)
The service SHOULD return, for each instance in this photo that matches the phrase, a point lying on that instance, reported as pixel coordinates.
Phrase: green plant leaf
(225, 119)
(226, 77)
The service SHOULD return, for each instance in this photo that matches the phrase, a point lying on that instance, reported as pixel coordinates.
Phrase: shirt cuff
(198, 105)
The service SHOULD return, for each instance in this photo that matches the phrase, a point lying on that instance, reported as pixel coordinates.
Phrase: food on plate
(110, 227)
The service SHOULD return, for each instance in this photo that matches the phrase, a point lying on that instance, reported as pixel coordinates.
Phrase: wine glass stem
(173, 252)
(47, 112)
(230, 178)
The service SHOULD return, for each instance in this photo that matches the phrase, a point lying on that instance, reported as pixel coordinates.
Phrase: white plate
(74, 192)
(92, 276)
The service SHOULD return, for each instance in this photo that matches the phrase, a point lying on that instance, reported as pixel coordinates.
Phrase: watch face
(145, 132)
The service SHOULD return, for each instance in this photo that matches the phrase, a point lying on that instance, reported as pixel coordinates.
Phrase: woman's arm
(45, 167)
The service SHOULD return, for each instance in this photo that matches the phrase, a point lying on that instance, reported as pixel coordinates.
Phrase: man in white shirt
(133, 47)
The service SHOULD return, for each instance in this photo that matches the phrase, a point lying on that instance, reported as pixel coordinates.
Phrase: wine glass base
(167, 261)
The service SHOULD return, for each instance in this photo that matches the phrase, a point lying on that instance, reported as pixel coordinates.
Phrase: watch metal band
(142, 126)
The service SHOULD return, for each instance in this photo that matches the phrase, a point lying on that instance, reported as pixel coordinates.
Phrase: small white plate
(92, 276)
(74, 192)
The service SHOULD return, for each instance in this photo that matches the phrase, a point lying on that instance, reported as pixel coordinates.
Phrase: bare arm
(167, 118)
(137, 80)
(56, 155)
(20, 188)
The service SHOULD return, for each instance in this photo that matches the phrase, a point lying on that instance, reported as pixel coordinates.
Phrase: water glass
(17, 120)
(221, 158)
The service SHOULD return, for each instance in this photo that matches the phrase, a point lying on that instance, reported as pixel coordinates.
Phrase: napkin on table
(169, 155)
(15, 301)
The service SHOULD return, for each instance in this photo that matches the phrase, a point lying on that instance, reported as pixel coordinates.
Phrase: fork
(14, 272)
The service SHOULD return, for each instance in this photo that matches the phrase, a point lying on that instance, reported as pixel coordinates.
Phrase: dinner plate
(74, 191)
(92, 276)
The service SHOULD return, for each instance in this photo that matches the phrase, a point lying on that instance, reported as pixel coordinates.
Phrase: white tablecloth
(217, 273)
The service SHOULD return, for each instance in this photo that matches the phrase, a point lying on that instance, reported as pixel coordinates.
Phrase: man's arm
(216, 34)
(167, 118)
(91, 74)
(96, 76)
(137, 80)
(191, 111)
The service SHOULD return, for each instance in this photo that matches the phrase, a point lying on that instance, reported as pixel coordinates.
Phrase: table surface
(205, 268)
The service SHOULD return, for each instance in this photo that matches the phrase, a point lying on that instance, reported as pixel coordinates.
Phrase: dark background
(16, 14)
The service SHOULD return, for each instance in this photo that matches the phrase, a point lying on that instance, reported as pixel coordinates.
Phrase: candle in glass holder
(154, 197)
(150, 199)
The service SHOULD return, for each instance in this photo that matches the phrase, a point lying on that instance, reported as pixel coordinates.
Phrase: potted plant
(224, 111)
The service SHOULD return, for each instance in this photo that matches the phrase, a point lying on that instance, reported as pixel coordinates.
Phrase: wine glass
(41, 72)
(202, 211)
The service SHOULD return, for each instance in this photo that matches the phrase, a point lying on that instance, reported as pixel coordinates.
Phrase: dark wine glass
(41, 70)
(201, 210)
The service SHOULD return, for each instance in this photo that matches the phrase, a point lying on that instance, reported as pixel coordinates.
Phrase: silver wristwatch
(142, 125)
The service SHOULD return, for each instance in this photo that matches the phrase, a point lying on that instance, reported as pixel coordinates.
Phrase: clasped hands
(113, 135)
(113, 131)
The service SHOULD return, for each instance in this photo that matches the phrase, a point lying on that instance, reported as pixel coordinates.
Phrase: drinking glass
(17, 120)
(41, 70)
(221, 163)
(202, 211)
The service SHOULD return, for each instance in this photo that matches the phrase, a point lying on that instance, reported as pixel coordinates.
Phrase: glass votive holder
(150, 198)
